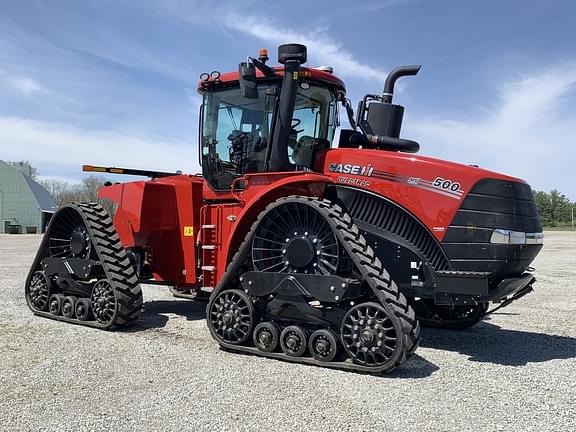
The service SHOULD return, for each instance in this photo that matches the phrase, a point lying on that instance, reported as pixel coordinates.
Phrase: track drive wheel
(231, 317)
(38, 291)
(369, 335)
(103, 302)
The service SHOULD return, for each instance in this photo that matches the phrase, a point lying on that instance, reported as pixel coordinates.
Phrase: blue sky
(114, 82)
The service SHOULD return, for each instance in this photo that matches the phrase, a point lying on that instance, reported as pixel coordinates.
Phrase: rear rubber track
(113, 260)
(369, 266)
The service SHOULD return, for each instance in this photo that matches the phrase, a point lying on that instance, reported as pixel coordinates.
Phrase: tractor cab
(263, 119)
(244, 113)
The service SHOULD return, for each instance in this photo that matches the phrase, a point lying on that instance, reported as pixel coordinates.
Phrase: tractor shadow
(489, 343)
(416, 367)
(157, 313)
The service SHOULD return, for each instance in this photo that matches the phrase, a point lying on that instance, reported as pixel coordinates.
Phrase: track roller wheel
(83, 309)
(369, 335)
(68, 306)
(323, 345)
(293, 341)
(38, 291)
(266, 336)
(55, 304)
(231, 317)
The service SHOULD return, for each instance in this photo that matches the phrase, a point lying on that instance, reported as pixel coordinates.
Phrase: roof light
(204, 76)
(215, 75)
(263, 55)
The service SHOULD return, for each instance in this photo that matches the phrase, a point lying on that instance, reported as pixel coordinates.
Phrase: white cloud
(525, 132)
(24, 84)
(49, 145)
(320, 47)
(377, 6)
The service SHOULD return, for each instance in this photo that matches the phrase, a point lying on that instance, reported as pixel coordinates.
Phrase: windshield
(235, 134)
(313, 123)
(236, 130)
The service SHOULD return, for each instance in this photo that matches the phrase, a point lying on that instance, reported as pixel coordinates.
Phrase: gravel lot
(516, 371)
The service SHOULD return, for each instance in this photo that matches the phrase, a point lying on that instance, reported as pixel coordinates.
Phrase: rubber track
(113, 259)
(369, 266)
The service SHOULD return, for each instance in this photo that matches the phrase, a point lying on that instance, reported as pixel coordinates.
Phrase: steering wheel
(295, 123)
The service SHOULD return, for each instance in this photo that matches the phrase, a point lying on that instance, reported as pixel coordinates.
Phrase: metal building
(25, 206)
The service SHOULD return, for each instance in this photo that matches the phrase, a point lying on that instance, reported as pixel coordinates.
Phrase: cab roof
(231, 78)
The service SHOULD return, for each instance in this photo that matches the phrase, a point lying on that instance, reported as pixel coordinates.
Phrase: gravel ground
(516, 371)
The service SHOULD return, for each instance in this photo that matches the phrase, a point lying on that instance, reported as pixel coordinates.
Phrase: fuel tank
(157, 221)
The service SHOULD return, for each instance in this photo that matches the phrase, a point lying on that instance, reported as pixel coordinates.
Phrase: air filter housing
(292, 52)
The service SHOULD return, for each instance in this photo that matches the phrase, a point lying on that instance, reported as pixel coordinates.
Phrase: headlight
(535, 238)
(504, 236)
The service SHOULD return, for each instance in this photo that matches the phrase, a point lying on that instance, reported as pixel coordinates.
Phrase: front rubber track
(372, 270)
(113, 259)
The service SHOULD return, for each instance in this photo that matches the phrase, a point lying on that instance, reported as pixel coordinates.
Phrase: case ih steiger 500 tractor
(306, 251)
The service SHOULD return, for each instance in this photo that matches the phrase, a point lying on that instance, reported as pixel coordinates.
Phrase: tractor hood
(431, 188)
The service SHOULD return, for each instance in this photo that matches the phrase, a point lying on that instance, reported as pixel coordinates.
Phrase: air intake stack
(381, 121)
(291, 56)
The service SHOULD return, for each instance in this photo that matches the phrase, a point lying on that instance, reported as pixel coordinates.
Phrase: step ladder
(208, 257)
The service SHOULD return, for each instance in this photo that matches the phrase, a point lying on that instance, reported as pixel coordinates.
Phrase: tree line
(555, 209)
(63, 192)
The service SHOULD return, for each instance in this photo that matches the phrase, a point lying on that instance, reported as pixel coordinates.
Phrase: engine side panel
(461, 205)
(431, 189)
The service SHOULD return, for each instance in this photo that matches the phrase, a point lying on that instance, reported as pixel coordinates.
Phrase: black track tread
(368, 264)
(114, 261)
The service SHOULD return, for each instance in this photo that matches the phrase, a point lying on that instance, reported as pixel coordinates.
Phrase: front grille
(493, 204)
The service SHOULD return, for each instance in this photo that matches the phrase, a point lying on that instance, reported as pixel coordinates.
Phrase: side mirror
(247, 78)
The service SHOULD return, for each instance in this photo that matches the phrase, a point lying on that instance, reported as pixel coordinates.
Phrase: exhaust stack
(393, 76)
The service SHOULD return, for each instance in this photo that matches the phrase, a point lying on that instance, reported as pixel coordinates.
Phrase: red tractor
(307, 250)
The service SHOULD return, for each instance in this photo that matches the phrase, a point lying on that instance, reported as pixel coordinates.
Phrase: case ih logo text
(363, 170)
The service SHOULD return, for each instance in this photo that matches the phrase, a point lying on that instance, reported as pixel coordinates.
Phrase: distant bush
(555, 209)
